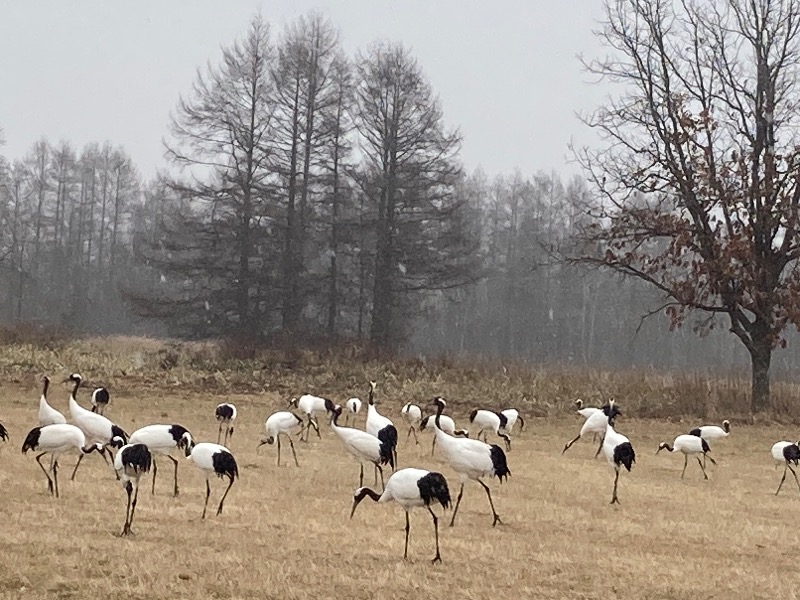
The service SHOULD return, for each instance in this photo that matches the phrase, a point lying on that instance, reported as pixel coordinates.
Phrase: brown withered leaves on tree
(699, 173)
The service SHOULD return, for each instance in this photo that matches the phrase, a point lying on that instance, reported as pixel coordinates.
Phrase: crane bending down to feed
(411, 488)
(689, 444)
(163, 439)
(280, 423)
(619, 453)
(786, 453)
(56, 439)
(131, 462)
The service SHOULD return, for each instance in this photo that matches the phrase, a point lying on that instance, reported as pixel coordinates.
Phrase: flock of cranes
(91, 431)
(470, 457)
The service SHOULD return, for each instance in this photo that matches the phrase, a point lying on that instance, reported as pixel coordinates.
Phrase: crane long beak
(353, 511)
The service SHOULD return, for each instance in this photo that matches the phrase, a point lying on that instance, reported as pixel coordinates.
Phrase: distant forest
(312, 198)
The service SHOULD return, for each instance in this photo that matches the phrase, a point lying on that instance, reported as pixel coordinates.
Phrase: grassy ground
(285, 531)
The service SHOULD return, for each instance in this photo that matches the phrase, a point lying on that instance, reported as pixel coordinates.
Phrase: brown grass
(285, 534)
(140, 365)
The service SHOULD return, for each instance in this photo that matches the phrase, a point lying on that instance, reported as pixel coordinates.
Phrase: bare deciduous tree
(698, 179)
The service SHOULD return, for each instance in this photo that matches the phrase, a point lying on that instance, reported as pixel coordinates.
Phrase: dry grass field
(285, 532)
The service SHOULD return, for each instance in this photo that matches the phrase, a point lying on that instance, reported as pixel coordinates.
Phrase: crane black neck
(75, 389)
(45, 385)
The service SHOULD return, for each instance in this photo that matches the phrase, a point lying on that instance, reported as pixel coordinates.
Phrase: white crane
(786, 453)
(712, 433)
(214, 459)
(596, 423)
(488, 420)
(411, 488)
(587, 412)
(446, 424)
(96, 428)
(47, 414)
(471, 459)
(131, 462)
(379, 426)
(281, 422)
(56, 439)
(100, 398)
(225, 413)
(689, 444)
(310, 406)
(163, 439)
(353, 406)
(512, 416)
(363, 446)
(412, 415)
(619, 453)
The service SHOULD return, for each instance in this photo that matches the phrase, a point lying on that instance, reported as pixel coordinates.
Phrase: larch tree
(699, 175)
(409, 172)
(221, 137)
(305, 89)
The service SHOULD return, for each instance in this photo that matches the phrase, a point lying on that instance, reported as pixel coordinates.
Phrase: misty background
(368, 173)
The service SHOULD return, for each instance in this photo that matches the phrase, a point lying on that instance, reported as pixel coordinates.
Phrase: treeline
(312, 197)
(66, 217)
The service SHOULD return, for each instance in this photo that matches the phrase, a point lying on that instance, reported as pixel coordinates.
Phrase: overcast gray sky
(94, 70)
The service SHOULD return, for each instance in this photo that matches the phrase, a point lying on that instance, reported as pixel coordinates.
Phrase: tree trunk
(760, 357)
(291, 314)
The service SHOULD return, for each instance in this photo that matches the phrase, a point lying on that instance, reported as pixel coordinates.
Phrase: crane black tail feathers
(3, 433)
(388, 439)
(624, 455)
(225, 465)
(433, 488)
(499, 464)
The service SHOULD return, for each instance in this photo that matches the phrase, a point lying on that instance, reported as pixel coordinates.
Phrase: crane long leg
(614, 499)
(713, 462)
(55, 475)
(208, 493)
(155, 472)
(600, 447)
(438, 557)
(702, 468)
(46, 474)
(782, 478)
(416, 440)
(685, 462)
(361, 476)
(380, 470)
(569, 444)
(221, 502)
(458, 501)
(787, 464)
(376, 474)
(279, 448)
(408, 528)
(175, 462)
(219, 432)
(291, 443)
(496, 517)
(133, 506)
(433, 446)
(75, 470)
(316, 428)
(126, 529)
